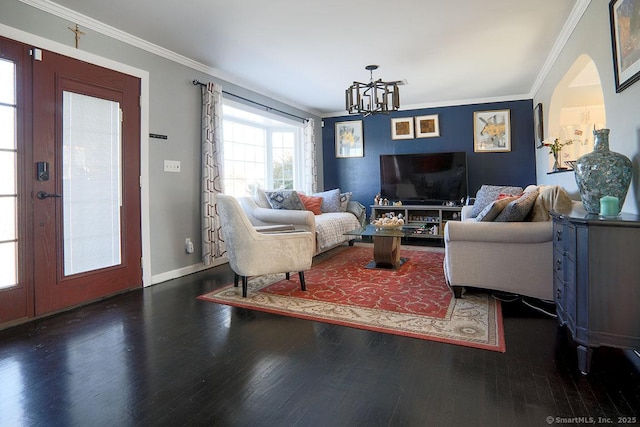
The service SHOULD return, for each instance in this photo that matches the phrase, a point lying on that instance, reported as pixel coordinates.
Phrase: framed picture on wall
(349, 139)
(402, 128)
(538, 127)
(625, 37)
(427, 126)
(491, 131)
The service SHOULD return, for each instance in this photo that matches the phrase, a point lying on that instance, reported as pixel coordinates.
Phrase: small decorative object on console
(389, 222)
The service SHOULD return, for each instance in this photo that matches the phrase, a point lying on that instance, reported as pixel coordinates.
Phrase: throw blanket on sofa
(330, 228)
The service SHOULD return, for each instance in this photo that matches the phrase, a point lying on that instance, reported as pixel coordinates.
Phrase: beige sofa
(513, 257)
(328, 227)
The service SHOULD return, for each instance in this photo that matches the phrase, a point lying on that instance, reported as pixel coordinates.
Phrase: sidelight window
(8, 176)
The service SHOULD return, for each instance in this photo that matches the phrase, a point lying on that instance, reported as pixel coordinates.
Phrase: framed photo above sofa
(349, 139)
(402, 128)
(491, 131)
(427, 126)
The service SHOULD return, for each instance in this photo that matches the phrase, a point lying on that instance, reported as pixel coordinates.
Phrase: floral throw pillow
(284, 199)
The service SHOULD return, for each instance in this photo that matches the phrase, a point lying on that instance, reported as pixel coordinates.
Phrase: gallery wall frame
(402, 128)
(492, 131)
(625, 41)
(427, 126)
(349, 139)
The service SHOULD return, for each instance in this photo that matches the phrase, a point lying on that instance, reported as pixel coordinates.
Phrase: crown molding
(107, 30)
(572, 21)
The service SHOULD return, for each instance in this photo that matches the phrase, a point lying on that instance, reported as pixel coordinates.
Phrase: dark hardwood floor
(158, 356)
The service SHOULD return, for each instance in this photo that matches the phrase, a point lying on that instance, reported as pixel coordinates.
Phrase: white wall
(592, 36)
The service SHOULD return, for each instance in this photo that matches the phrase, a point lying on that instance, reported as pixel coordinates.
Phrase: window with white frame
(261, 150)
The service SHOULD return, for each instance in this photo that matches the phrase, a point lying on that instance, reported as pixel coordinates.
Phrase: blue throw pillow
(330, 200)
(488, 193)
(518, 209)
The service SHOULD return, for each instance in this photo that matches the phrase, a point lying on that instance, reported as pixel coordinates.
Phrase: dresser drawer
(558, 236)
(559, 299)
(558, 264)
(559, 291)
(569, 237)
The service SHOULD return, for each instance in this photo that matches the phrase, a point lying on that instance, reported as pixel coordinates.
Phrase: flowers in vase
(556, 146)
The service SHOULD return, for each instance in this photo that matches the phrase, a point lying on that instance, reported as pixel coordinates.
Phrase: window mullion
(269, 158)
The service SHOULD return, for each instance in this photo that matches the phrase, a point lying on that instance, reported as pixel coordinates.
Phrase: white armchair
(252, 253)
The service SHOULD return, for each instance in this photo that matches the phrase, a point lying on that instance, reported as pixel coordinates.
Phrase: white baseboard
(184, 271)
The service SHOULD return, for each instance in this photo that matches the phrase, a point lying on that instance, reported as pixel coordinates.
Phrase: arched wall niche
(576, 107)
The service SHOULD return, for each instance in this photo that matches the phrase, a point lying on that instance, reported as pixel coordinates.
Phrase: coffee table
(386, 245)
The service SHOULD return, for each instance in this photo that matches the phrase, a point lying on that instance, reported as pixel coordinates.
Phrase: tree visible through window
(259, 152)
(283, 153)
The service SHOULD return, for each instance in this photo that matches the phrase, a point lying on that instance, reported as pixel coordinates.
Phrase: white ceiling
(306, 53)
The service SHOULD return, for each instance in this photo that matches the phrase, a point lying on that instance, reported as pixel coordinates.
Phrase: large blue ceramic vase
(602, 173)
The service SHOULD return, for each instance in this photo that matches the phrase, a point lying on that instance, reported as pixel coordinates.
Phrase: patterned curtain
(310, 163)
(212, 160)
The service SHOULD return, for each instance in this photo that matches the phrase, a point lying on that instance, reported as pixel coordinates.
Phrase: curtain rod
(304, 119)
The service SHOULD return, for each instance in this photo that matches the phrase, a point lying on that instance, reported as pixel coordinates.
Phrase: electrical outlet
(172, 166)
(188, 245)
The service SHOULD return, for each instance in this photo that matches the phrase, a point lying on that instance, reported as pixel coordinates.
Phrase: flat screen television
(424, 178)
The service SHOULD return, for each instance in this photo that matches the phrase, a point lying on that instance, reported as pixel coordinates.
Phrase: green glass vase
(602, 173)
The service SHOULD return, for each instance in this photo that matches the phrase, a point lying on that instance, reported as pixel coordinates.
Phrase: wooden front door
(80, 168)
(86, 220)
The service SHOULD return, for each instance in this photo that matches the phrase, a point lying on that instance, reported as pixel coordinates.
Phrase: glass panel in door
(91, 183)
(8, 177)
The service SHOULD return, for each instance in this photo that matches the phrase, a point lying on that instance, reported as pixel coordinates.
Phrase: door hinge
(121, 116)
(36, 53)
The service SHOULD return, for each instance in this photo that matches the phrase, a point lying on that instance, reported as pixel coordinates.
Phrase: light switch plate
(172, 166)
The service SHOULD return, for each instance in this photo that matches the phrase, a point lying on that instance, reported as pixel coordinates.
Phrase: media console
(428, 220)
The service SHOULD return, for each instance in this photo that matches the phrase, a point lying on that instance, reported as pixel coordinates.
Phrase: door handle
(43, 195)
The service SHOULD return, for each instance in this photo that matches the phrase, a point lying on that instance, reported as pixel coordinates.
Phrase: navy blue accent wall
(361, 175)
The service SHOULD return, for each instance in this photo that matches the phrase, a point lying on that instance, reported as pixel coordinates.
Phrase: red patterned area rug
(413, 301)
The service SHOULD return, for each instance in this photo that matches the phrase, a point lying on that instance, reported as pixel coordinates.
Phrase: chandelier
(374, 97)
